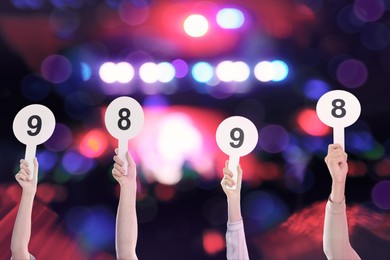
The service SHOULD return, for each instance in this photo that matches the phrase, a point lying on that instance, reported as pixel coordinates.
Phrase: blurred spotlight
(281, 70)
(164, 192)
(352, 73)
(33, 4)
(47, 160)
(64, 22)
(309, 122)
(369, 10)
(148, 72)
(202, 72)
(56, 68)
(242, 71)
(264, 209)
(265, 71)
(273, 138)
(298, 179)
(360, 141)
(181, 68)
(380, 194)
(61, 138)
(225, 71)
(93, 144)
(86, 71)
(122, 72)
(133, 14)
(315, 88)
(213, 242)
(375, 36)
(76, 164)
(196, 25)
(230, 18)
(166, 72)
(348, 21)
(382, 168)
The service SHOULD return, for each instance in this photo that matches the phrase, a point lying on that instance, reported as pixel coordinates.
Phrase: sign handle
(338, 136)
(29, 157)
(232, 165)
(123, 147)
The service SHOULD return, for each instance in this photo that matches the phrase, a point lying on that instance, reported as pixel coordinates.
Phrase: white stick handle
(123, 147)
(29, 157)
(338, 136)
(232, 165)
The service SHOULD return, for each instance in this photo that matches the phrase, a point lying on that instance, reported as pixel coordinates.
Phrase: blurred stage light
(230, 18)
(181, 68)
(213, 242)
(148, 72)
(93, 144)
(380, 194)
(56, 68)
(166, 72)
(122, 72)
(228, 71)
(309, 122)
(196, 25)
(76, 164)
(281, 70)
(265, 71)
(202, 72)
(315, 88)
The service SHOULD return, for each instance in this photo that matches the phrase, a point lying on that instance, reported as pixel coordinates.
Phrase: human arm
(126, 219)
(336, 243)
(236, 247)
(22, 228)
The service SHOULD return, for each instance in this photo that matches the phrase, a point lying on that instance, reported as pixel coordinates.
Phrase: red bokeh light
(93, 144)
(309, 123)
(213, 242)
(164, 192)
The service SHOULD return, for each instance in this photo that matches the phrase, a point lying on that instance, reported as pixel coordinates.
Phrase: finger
(21, 177)
(228, 172)
(116, 173)
(118, 160)
(229, 183)
(229, 179)
(23, 163)
(36, 166)
(119, 168)
(239, 173)
(227, 164)
(116, 151)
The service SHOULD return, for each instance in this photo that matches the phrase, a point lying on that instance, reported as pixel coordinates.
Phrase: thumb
(36, 166)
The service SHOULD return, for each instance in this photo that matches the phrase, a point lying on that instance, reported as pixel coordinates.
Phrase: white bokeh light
(149, 72)
(166, 72)
(265, 71)
(196, 25)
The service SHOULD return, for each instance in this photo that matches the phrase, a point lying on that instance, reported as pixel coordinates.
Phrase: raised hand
(22, 177)
(118, 171)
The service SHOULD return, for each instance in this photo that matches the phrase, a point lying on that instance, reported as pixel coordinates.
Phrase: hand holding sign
(338, 109)
(33, 125)
(124, 120)
(236, 136)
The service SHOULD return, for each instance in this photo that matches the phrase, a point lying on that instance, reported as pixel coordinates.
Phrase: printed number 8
(239, 139)
(37, 125)
(124, 122)
(338, 104)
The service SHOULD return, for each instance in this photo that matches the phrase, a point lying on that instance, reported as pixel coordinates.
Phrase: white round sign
(338, 108)
(124, 118)
(237, 136)
(34, 124)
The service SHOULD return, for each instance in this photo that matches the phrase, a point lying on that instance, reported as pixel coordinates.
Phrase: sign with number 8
(124, 120)
(338, 109)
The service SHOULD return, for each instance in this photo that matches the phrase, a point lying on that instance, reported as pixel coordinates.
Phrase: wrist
(29, 192)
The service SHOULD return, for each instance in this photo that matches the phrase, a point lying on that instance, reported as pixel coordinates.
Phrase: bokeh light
(202, 72)
(35, 88)
(273, 138)
(196, 25)
(381, 194)
(121, 72)
(64, 22)
(230, 18)
(181, 68)
(352, 73)
(281, 70)
(56, 68)
(166, 72)
(61, 138)
(265, 71)
(213, 242)
(309, 122)
(93, 144)
(369, 10)
(149, 72)
(76, 164)
(133, 14)
(375, 36)
(315, 88)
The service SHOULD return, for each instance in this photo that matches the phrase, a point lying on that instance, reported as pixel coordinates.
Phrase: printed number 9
(338, 104)
(37, 126)
(239, 139)
(124, 122)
